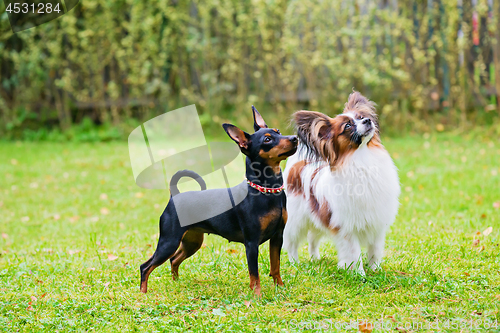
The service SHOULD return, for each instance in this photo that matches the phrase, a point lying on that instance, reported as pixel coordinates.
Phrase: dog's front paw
(278, 281)
(375, 266)
(352, 267)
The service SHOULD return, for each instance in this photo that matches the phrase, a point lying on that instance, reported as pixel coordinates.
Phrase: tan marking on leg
(144, 284)
(255, 285)
(274, 254)
(191, 242)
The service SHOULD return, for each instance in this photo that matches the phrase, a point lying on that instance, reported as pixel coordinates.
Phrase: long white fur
(362, 195)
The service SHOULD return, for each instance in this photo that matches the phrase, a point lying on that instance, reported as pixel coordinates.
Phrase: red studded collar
(266, 189)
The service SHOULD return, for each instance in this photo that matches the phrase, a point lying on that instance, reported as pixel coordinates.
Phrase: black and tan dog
(260, 216)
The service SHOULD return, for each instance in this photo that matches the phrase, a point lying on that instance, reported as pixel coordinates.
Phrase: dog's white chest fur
(363, 193)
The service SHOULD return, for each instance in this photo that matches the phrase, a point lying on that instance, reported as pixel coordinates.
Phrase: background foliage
(428, 64)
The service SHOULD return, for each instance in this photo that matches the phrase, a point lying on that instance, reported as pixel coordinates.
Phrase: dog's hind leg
(314, 240)
(296, 228)
(349, 253)
(376, 251)
(294, 235)
(191, 242)
(165, 249)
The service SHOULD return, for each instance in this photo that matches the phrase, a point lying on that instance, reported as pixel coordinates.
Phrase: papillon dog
(341, 184)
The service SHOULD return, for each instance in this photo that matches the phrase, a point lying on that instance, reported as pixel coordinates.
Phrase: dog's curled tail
(174, 190)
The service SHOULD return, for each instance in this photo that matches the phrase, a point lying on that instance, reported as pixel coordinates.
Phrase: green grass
(56, 242)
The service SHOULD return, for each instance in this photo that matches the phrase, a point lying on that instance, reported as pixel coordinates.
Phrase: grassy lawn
(75, 228)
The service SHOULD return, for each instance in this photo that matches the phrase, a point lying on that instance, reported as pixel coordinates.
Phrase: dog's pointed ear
(240, 137)
(258, 121)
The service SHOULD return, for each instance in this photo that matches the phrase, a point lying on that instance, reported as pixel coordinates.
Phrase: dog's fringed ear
(312, 123)
(258, 121)
(238, 136)
(315, 130)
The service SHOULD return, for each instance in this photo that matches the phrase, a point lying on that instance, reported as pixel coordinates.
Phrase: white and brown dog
(342, 184)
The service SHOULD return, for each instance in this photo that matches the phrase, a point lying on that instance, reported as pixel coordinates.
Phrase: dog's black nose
(294, 139)
(366, 121)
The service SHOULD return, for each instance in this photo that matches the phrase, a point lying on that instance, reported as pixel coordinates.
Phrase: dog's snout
(293, 139)
(366, 121)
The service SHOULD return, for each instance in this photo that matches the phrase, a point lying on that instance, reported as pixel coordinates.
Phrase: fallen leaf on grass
(365, 327)
(294, 310)
(475, 242)
(247, 303)
(4, 235)
(467, 274)
(33, 298)
(30, 308)
(401, 329)
(488, 231)
(391, 318)
(481, 249)
(73, 219)
(112, 257)
(475, 312)
(232, 251)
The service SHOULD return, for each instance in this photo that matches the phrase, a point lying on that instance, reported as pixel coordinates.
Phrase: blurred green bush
(425, 63)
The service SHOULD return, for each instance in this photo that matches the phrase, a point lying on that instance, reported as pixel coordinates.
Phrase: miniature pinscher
(259, 216)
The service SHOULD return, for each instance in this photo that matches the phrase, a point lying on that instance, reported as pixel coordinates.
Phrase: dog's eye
(347, 126)
(267, 139)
